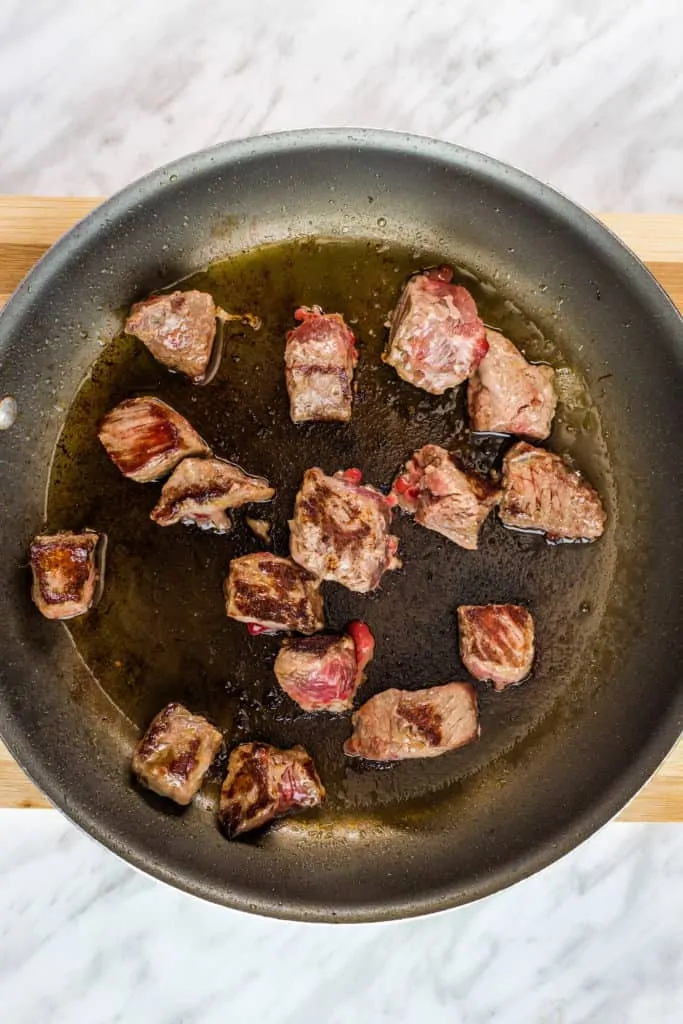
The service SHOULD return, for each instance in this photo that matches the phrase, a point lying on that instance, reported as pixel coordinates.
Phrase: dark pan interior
(558, 756)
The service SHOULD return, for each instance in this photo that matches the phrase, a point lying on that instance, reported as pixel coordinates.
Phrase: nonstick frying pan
(559, 756)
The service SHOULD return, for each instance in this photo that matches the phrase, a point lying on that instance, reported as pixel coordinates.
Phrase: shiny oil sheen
(160, 632)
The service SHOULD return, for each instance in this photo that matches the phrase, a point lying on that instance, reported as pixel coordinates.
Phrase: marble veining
(586, 96)
(83, 937)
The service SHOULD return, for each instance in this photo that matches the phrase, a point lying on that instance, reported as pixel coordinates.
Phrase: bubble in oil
(8, 412)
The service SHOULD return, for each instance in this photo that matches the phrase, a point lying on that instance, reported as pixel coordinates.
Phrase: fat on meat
(320, 357)
(200, 490)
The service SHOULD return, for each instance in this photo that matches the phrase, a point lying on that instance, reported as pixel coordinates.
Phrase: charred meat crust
(398, 724)
(145, 438)
(263, 783)
(64, 573)
(175, 753)
(340, 531)
(425, 719)
(267, 589)
(497, 642)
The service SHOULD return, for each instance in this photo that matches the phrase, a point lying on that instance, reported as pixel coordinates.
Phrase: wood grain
(31, 224)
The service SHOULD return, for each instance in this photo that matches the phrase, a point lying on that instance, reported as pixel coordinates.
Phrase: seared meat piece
(340, 530)
(146, 439)
(320, 357)
(508, 395)
(437, 339)
(263, 783)
(496, 642)
(200, 490)
(65, 573)
(541, 492)
(322, 673)
(444, 498)
(178, 329)
(175, 753)
(399, 724)
(270, 593)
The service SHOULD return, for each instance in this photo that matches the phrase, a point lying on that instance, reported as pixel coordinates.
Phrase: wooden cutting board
(30, 224)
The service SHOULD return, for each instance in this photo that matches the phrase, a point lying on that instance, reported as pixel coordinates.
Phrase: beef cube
(322, 673)
(146, 439)
(399, 724)
(437, 339)
(541, 493)
(263, 783)
(270, 593)
(65, 573)
(200, 490)
(175, 753)
(508, 395)
(496, 642)
(178, 329)
(340, 530)
(444, 498)
(320, 357)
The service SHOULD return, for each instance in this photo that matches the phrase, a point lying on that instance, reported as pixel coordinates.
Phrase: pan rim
(607, 803)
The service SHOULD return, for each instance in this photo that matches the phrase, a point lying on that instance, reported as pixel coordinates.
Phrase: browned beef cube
(200, 490)
(443, 497)
(270, 593)
(399, 724)
(179, 330)
(437, 339)
(340, 530)
(320, 357)
(175, 753)
(146, 439)
(263, 783)
(541, 493)
(65, 573)
(496, 642)
(508, 395)
(322, 673)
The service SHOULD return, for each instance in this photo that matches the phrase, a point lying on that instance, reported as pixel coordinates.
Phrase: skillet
(559, 756)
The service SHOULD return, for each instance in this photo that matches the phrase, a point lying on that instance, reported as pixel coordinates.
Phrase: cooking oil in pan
(160, 632)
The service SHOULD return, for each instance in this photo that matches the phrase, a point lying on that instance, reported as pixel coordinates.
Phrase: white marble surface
(84, 938)
(587, 96)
